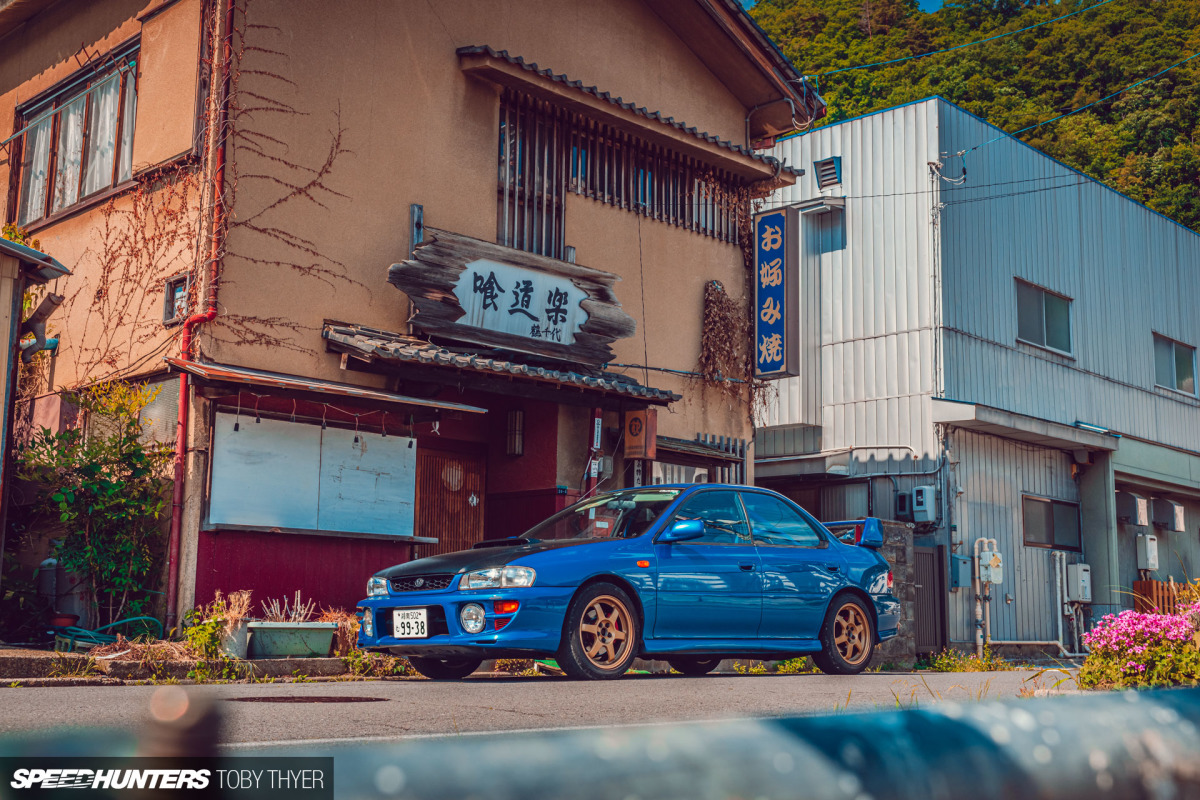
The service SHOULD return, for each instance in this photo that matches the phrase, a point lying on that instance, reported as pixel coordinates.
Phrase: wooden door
(929, 612)
(450, 492)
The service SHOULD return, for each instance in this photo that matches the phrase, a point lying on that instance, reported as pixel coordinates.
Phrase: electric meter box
(991, 567)
(960, 571)
(1079, 583)
(904, 510)
(1147, 551)
(925, 504)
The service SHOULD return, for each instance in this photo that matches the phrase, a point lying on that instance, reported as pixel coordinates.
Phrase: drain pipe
(1059, 561)
(217, 139)
(977, 585)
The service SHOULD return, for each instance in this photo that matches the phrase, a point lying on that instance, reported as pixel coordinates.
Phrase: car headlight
(377, 587)
(472, 618)
(498, 578)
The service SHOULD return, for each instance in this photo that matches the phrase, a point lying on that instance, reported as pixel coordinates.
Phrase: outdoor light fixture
(472, 618)
(1087, 426)
(516, 433)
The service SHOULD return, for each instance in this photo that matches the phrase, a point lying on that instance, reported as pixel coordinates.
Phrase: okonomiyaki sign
(524, 302)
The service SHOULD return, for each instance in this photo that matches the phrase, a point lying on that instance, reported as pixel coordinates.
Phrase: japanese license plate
(410, 623)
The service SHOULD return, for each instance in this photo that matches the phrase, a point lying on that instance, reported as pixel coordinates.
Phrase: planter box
(236, 644)
(291, 639)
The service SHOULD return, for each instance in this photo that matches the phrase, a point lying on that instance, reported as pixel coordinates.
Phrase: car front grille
(421, 583)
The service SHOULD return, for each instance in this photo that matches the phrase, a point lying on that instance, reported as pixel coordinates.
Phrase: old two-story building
(991, 346)
(408, 274)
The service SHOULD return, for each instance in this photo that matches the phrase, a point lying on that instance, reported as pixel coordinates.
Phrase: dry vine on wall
(260, 158)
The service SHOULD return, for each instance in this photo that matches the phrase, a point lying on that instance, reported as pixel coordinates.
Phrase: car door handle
(833, 567)
(747, 567)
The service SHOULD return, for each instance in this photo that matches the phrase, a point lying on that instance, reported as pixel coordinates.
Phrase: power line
(1083, 107)
(974, 187)
(968, 44)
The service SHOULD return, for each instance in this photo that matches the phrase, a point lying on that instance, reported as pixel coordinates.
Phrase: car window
(616, 515)
(723, 521)
(774, 522)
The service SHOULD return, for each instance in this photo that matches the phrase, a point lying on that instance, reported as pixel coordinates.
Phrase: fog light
(368, 624)
(506, 606)
(471, 618)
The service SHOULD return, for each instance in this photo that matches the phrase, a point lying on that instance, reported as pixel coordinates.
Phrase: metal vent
(828, 171)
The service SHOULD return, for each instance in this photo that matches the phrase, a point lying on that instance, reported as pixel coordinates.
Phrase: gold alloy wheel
(604, 632)
(850, 634)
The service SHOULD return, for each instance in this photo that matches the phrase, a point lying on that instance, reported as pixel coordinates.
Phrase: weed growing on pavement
(753, 668)
(362, 664)
(514, 666)
(956, 661)
(15, 685)
(797, 666)
(65, 666)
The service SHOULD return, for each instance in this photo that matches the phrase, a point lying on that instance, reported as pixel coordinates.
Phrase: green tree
(108, 488)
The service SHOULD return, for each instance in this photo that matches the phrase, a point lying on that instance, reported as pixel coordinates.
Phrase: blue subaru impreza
(690, 574)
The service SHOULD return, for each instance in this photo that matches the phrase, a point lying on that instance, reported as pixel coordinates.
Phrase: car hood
(483, 558)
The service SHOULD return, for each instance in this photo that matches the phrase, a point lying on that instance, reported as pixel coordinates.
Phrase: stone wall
(900, 651)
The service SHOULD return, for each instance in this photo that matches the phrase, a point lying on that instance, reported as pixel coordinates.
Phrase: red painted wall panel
(331, 570)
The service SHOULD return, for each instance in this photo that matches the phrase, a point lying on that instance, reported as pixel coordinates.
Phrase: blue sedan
(689, 574)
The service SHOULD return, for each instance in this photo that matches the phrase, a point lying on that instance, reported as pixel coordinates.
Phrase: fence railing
(1155, 596)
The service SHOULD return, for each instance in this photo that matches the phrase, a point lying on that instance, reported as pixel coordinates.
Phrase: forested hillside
(1145, 143)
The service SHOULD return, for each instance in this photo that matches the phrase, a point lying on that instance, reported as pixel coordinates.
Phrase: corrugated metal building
(979, 318)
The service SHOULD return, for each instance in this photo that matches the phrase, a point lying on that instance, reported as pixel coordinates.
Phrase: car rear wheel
(693, 666)
(601, 634)
(445, 669)
(847, 638)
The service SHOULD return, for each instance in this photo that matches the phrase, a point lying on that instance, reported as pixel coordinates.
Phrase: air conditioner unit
(1132, 508)
(1166, 514)
(1079, 583)
(1147, 551)
(925, 504)
(904, 508)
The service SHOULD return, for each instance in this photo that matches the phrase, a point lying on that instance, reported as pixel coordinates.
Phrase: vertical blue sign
(776, 350)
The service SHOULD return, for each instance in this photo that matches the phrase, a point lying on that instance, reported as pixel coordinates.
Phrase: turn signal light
(506, 607)
(643, 563)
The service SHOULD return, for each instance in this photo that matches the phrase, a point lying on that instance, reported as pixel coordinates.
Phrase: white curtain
(33, 172)
(102, 136)
(125, 168)
(70, 155)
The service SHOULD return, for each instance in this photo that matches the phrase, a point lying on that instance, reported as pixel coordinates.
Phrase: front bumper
(534, 629)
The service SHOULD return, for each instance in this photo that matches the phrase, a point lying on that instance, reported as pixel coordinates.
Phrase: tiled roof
(641, 111)
(376, 344)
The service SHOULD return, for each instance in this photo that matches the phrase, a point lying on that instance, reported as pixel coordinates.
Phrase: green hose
(84, 636)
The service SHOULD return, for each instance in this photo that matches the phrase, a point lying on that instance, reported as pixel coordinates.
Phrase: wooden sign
(485, 294)
(641, 434)
(776, 294)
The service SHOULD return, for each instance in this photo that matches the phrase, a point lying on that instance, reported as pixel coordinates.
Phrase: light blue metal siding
(994, 474)
(866, 295)
(1129, 272)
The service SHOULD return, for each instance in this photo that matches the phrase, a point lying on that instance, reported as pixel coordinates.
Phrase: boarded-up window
(277, 474)
(168, 84)
(160, 417)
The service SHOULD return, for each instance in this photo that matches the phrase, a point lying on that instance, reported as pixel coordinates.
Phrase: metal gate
(929, 612)
(450, 490)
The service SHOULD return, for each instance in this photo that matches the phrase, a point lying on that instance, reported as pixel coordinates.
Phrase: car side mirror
(682, 531)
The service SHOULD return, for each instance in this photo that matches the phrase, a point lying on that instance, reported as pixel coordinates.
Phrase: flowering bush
(1134, 649)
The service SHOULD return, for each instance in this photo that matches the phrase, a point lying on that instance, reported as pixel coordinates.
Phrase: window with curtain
(78, 142)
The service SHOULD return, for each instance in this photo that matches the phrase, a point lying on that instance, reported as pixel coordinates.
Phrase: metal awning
(1020, 427)
(668, 444)
(227, 373)
(42, 268)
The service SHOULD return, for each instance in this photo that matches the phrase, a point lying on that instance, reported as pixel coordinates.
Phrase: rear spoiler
(865, 532)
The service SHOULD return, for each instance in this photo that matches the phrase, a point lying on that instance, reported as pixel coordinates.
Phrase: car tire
(847, 637)
(601, 634)
(444, 669)
(690, 665)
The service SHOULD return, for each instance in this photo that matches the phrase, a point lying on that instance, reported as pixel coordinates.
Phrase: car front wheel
(445, 669)
(847, 638)
(600, 639)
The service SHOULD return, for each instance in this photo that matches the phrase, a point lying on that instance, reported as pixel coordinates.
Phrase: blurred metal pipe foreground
(1112, 745)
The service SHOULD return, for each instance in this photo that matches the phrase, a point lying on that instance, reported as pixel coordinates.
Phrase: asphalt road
(303, 714)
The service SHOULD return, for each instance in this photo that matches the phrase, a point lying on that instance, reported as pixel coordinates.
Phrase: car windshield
(619, 515)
